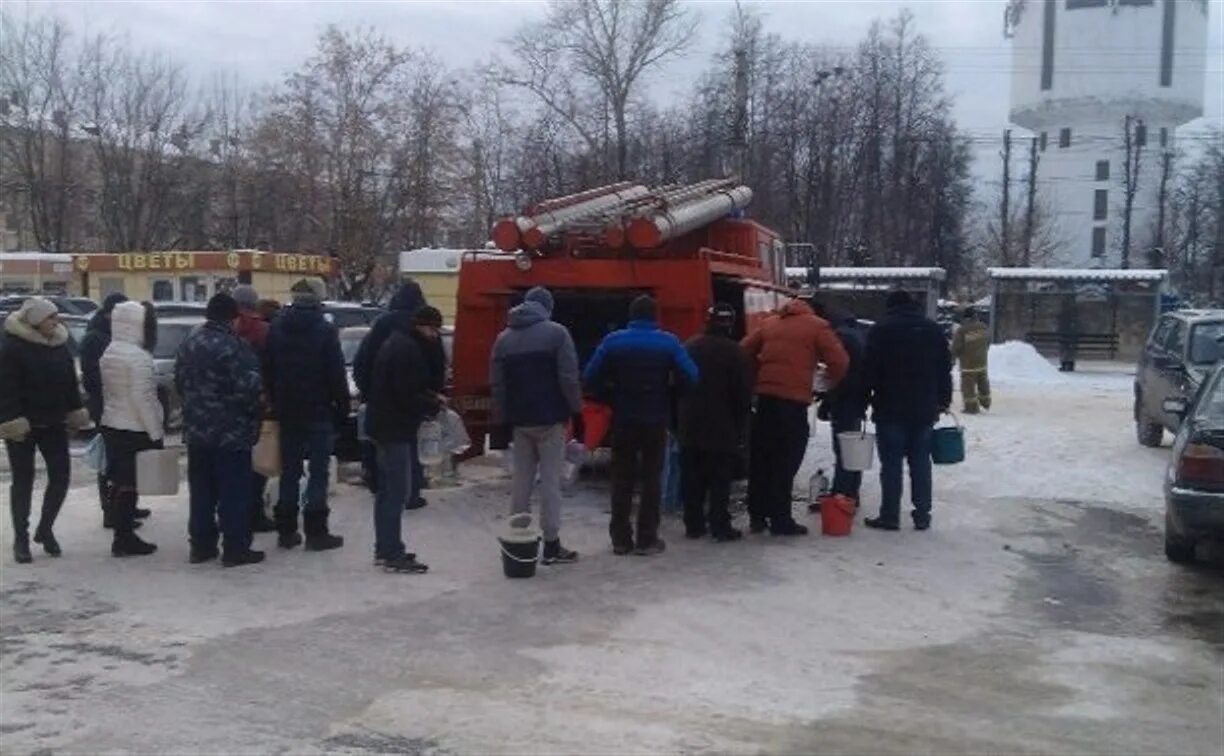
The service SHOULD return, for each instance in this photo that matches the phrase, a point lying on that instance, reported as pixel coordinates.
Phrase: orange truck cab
(732, 260)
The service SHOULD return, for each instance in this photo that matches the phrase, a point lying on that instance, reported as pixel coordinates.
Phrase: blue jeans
(396, 485)
(311, 444)
(899, 443)
(220, 482)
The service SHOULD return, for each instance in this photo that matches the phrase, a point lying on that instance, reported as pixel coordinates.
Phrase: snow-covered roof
(851, 274)
(1079, 274)
(429, 260)
(52, 257)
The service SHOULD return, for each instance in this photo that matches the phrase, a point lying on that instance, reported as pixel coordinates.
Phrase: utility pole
(1162, 198)
(1005, 203)
(1031, 209)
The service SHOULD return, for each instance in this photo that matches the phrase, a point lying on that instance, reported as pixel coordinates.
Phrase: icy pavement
(1038, 615)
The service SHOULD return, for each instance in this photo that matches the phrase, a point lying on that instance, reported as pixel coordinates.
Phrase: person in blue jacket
(637, 370)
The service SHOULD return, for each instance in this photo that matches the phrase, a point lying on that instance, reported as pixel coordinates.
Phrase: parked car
(351, 314)
(180, 309)
(66, 305)
(347, 447)
(1194, 483)
(171, 333)
(1179, 354)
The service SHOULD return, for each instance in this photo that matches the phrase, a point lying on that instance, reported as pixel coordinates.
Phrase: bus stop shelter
(863, 290)
(1103, 313)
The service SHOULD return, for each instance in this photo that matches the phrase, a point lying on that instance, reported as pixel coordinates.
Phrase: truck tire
(1178, 550)
(1150, 434)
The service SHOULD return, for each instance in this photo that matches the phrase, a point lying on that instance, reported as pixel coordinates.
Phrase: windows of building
(1100, 204)
(1045, 139)
(1164, 136)
(162, 290)
(1098, 241)
(1141, 135)
(1077, 4)
(1064, 138)
(1102, 170)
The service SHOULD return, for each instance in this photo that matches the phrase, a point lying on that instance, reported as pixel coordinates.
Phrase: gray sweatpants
(541, 448)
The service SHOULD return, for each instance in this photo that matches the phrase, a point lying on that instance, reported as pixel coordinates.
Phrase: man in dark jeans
(786, 350)
(713, 424)
(908, 378)
(217, 374)
(636, 370)
(309, 393)
(400, 398)
(842, 406)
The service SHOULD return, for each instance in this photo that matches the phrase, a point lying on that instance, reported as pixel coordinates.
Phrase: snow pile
(1019, 362)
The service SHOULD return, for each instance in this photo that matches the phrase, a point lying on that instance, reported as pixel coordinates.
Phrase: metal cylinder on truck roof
(651, 231)
(507, 233)
(549, 223)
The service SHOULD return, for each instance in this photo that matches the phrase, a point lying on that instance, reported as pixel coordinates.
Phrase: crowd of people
(734, 406)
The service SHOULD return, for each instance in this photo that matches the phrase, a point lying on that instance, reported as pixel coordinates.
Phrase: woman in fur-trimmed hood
(40, 402)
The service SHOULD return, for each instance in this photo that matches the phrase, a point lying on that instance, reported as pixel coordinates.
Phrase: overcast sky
(260, 41)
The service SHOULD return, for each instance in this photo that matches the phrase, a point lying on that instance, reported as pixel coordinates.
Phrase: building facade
(1089, 76)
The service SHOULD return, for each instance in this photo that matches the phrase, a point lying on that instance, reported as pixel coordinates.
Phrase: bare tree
(141, 126)
(42, 94)
(1134, 136)
(607, 45)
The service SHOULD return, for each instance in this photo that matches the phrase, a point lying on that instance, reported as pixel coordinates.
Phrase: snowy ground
(1038, 615)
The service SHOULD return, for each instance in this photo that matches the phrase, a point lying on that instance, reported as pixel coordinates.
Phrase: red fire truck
(687, 246)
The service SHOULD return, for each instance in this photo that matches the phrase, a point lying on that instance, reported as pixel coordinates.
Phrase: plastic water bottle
(429, 443)
(818, 488)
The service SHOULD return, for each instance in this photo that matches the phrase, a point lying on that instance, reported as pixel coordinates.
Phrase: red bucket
(836, 515)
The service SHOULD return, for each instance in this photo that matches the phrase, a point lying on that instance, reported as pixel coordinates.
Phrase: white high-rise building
(1082, 70)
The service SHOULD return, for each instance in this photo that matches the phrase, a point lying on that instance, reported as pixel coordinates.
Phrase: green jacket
(970, 345)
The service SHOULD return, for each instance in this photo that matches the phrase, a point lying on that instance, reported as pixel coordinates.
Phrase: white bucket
(157, 472)
(857, 450)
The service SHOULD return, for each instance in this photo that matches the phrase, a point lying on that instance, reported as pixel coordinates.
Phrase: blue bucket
(948, 444)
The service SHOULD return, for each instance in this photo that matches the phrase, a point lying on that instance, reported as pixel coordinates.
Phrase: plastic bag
(95, 453)
(455, 438)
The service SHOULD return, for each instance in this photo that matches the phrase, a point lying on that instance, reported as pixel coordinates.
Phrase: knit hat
(540, 296)
(246, 297)
(643, 308)
(221, 308)
(306, 290)
(428, 316)
(108, 304)
(37, 309)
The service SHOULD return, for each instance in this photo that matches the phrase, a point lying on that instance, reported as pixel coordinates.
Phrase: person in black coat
(97, 338)
(908, 382)
(308, 390)
(713, 423)
(400, 398)
(40, 402)
(843, 407)
(405, 304)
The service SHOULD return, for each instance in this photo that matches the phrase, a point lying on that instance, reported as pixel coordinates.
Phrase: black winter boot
(123, 515)
(21, 550)
(286, 529)
(314, 525)
(45, 537)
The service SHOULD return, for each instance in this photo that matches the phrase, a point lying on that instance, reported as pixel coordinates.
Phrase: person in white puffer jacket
(132, 416)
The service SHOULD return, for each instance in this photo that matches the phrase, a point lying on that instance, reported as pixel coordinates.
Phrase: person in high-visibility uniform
(970, 346)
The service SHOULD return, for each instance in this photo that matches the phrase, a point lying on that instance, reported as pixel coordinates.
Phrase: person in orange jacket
(785, 351)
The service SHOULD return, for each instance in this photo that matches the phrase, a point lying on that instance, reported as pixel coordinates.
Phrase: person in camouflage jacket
(971, 345)
(217, 375)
